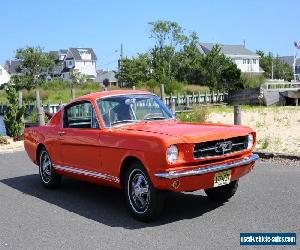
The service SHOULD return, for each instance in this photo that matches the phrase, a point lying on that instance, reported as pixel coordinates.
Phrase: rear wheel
(47, 175)
(222, 193)
(143, 200)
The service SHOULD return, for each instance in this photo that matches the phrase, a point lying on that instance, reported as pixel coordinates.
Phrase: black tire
(47, 174)
(145, 205)
(222, 193)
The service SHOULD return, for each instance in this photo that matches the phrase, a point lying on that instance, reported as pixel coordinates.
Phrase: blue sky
(104, 25)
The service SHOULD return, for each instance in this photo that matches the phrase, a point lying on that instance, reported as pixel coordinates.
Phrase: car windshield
(124, 109)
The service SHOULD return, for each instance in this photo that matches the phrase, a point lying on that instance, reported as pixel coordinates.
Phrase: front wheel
(143, 200)
(47, 175)
(222, 193)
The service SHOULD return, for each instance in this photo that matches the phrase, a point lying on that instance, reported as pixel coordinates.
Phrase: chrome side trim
(88, 173)
(206, 170)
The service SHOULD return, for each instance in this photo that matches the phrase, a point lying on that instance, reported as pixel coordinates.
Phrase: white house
(4, 76)
(246, 60)
(81, 59)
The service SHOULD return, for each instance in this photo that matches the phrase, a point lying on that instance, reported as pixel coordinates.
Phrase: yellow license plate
(222, 178)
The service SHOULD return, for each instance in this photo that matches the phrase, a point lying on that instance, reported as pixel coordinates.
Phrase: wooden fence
(175, 100)
(195, 98)
(31, 107)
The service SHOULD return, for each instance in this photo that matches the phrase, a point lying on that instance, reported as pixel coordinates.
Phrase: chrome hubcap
(140, 192)
(45, 167)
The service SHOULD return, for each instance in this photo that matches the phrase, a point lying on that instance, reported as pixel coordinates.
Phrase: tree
(175, 59)
(134, 71)
(34, 68)
(219, 71)
(281, 70)
(13, 114)
(169, 39)
(188, 62)
(230, 78)
(265, 63)
(76, 77)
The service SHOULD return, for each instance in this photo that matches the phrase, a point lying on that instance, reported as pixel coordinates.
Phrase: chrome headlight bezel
(250, 141)
(172, 154)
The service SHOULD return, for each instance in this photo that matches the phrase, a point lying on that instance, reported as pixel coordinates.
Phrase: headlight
(172, 154)
(250, 141)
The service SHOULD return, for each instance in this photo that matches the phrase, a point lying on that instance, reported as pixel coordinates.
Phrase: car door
(80, 137)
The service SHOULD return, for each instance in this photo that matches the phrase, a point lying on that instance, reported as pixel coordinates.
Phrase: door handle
(61, 133)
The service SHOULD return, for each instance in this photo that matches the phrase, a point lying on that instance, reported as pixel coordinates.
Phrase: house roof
(78, 53)
(63, 51)
(226, 49)
(290, 60)
(12, 66)
(101, 75)
(58, 52)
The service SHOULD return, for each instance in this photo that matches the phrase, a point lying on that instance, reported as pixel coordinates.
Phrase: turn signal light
(176, 184)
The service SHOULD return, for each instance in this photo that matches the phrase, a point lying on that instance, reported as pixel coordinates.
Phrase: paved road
(81, 215)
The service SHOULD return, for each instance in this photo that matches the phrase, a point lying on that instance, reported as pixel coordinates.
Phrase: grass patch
(260, 124)
(198, 114)
(252, 81)
(3, 140)
(57, 91)
(193, 88)
(285, 121)
(264, 143)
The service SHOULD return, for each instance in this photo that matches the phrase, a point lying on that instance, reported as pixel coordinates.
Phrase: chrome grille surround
(220, 147)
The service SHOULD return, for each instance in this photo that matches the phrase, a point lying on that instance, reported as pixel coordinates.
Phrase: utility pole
(121, 55)
(120, 63)
(272, 69)
(294, 63)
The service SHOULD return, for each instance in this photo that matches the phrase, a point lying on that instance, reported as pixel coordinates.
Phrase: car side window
(81, 115)
(106, 106)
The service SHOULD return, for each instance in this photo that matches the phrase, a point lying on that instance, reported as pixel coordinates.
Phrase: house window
(248, 61)
(254, 61)
(70, 63)
(244, 61)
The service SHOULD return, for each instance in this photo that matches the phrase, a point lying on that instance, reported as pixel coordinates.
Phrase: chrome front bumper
(206, 170)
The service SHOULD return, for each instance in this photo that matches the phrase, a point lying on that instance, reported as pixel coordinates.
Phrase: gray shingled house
(246, 60)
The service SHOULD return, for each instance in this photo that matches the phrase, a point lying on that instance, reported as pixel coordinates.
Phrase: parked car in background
(131, 141)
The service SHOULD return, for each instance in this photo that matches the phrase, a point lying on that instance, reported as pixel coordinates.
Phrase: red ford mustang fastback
(131, 141)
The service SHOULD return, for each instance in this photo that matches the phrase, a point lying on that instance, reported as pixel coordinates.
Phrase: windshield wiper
(122, 121)
(155, 118)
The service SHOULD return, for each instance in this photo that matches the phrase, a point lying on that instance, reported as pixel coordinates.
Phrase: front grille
(220, 147)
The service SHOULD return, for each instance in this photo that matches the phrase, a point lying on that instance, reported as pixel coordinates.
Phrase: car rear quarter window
(81, 115)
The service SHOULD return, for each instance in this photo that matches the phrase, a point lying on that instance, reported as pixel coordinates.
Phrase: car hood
(190, 132)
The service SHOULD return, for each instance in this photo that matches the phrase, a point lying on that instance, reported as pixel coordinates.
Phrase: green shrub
(173, 86)
(28, 95)
(33, 117)
(251, 81)
(193, 88)
(198, 114)
(13, 114)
